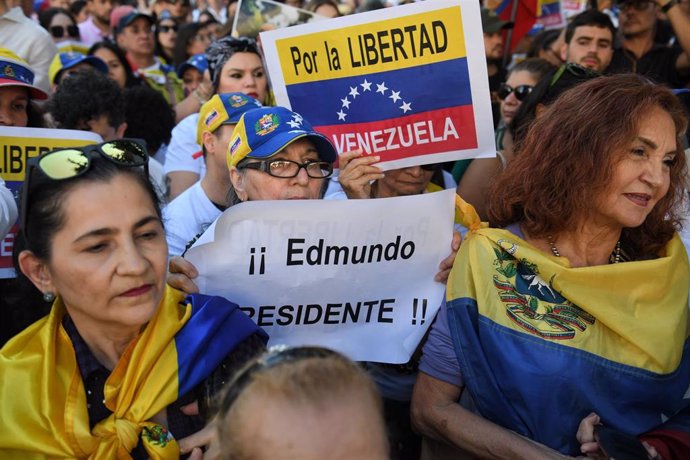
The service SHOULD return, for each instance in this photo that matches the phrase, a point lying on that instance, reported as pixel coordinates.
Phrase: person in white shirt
(27, 40)
(196, 208)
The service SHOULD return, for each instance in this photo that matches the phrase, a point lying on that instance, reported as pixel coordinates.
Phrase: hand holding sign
(408, 84)
(340, 274)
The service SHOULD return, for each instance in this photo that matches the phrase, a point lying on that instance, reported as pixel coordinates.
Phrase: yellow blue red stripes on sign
(424, 38)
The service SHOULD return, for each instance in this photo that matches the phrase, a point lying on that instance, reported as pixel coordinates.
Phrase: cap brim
(34, 92)
(325, 149)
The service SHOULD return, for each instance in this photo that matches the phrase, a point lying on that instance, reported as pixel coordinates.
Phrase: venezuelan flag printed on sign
(395, 87)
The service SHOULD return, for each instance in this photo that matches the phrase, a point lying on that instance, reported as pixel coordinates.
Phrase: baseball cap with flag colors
(261, 133)
(223, 109)
(15, 71)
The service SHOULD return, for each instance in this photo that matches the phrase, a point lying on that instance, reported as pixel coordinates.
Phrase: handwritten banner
(353, 275)
(18, 145)
(407, 83)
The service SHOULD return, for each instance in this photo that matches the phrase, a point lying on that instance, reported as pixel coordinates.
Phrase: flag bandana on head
(398, 85)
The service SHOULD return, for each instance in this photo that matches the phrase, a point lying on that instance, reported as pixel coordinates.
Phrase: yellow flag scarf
(541, 344)
(43, 409)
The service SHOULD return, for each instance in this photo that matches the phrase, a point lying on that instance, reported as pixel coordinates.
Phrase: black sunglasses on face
(287, 169)
(521, 91)
(71, 162)
(166, 29)
(60, 31)
(639, 5)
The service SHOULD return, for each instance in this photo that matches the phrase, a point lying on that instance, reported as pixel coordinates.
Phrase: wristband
(668, 6)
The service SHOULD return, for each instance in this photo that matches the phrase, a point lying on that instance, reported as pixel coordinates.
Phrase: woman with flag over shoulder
(115, 368)
(567, 320)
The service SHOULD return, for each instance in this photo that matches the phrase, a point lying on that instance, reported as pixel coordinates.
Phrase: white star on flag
(406, 107)
(395, 95)
(294, 124)
(366, 86)
(346, 103)
(381, 88)
(353, 92)
(341, 115)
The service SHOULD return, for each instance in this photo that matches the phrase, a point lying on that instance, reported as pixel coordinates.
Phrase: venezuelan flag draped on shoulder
(407, 83)
(541, 345)
(44, 412)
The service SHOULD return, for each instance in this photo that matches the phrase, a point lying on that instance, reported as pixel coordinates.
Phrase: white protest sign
(354, 275)
(407, 83)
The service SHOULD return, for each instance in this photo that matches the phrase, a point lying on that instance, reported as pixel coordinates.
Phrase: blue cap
(198, 62)
(261, 133)
(65, 61)
(223, 109)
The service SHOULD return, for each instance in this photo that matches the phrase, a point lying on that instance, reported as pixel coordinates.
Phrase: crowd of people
(564, 330)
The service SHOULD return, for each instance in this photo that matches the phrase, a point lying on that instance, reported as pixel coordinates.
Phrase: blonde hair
(312, 382)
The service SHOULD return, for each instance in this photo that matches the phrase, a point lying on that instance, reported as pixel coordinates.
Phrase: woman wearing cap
(191, 72)
(576, 302)
(17, 89)
(111, 370)
(234, 65)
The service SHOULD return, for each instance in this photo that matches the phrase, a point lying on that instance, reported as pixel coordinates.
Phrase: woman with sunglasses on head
(60, 24)
(234, 66)
(574, 301)
(107, 372)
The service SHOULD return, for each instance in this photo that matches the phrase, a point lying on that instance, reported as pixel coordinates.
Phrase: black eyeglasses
(72, 162)
(61, 31)
(166, 29)
(576, 70)
(521, 91)
(272, 358)
(639, 5)
(286, 169)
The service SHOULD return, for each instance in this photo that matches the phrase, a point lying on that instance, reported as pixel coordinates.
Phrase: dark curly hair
(570, 153)
(86, 95)
(148, 116)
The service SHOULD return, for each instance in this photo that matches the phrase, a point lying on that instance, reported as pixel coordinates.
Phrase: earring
(48, 297)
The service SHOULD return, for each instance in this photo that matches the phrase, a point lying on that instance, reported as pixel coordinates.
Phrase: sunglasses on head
(272, 358)
(72, 162)
(166, 29)
(61, 31)
(521, 91)
(576, 70)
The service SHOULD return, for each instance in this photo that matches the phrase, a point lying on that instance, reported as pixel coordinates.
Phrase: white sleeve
(41, 55)
(8, 209)
(183, 146)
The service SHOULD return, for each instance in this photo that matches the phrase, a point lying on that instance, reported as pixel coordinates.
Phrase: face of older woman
(244, 73)
(642, 176)
(253, 185)
(108, 261)
(510, 105)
